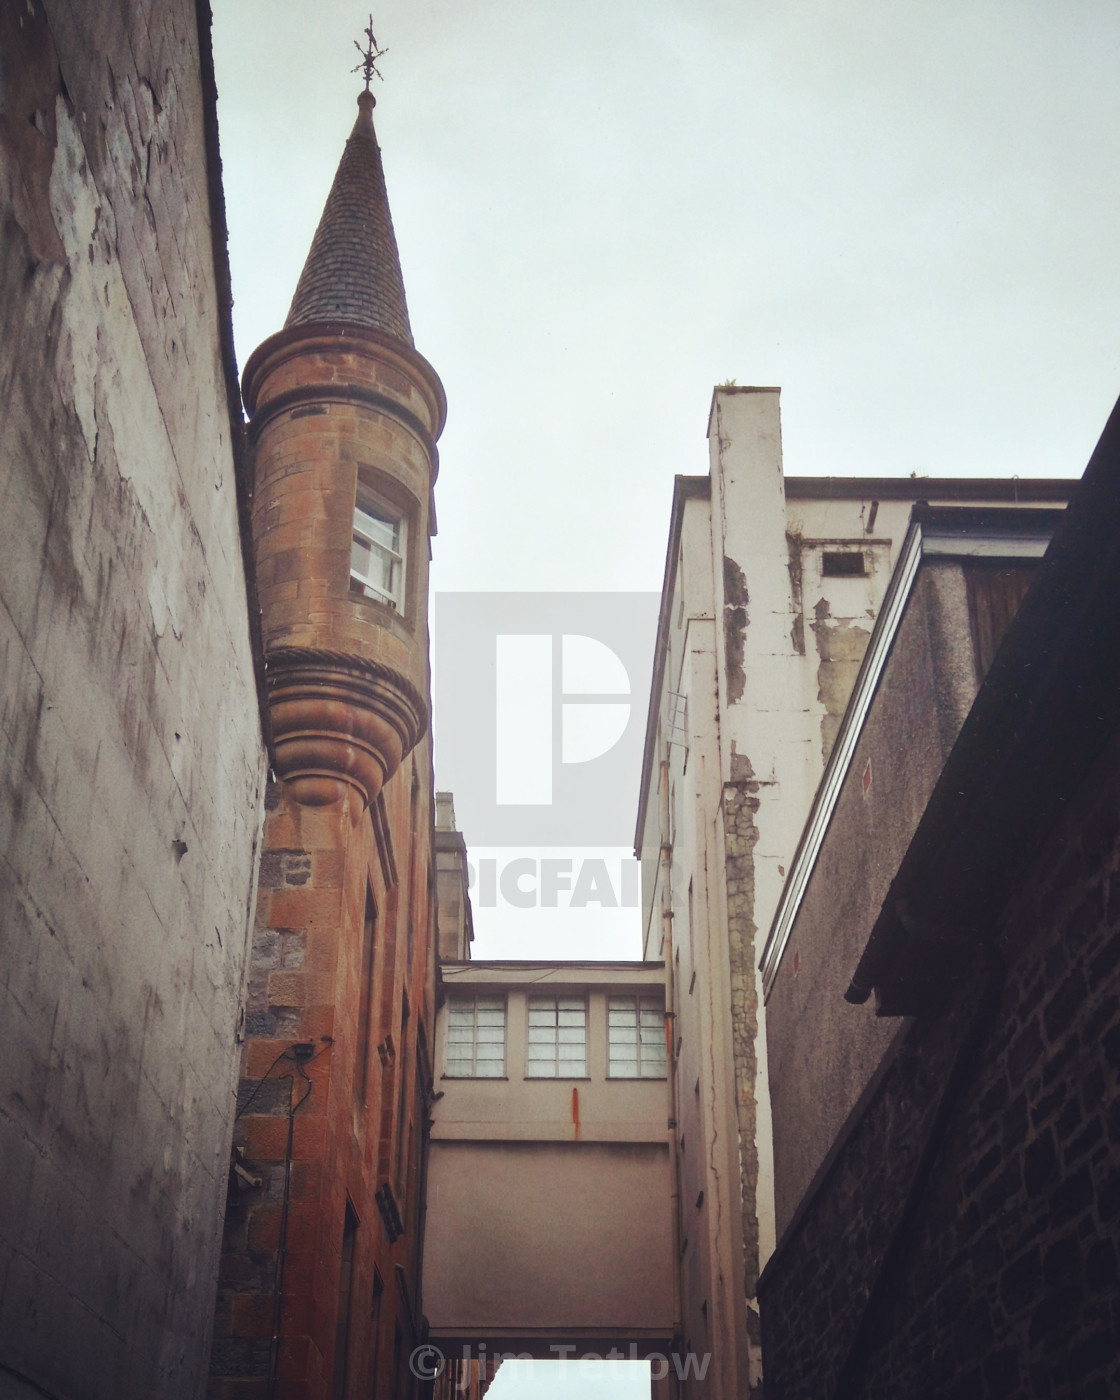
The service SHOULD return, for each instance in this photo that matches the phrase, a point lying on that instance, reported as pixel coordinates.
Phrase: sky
(907, 216)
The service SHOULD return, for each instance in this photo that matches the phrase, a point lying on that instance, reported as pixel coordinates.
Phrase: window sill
(557, 1079)
(637, 1078)
(477, 1078)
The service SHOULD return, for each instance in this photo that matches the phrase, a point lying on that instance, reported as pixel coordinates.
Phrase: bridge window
(636, 1038)
(557, 1038)
(476, 1037)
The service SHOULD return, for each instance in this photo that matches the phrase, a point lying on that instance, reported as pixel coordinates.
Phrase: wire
(260, 1081)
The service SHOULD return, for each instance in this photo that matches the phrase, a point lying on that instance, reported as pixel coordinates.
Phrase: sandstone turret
(344, 417)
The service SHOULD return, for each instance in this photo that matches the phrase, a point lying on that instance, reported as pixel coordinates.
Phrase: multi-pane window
(377, 553)
(636, 1037)
(476, 1037)
(557, 1038)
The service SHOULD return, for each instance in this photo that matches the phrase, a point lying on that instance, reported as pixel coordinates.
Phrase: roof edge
(685, 488)
(1001, 791)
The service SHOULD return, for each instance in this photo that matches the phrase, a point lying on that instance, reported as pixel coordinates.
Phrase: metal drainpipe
(666, 856)
(282, 1244)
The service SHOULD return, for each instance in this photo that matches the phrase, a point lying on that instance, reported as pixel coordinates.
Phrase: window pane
(476, 1038)
(359, 557)
(378, 528)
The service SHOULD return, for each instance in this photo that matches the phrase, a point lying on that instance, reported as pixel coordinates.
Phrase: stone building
(772, 589)
(133, 762)
(319, 1293)
(455, 920)
(948, 1162)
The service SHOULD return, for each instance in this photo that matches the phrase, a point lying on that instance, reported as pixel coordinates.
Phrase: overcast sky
(906, 215)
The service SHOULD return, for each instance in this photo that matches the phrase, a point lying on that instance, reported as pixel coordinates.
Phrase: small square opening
(845, 563)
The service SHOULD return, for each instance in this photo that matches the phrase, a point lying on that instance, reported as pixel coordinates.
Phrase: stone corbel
(340, 724)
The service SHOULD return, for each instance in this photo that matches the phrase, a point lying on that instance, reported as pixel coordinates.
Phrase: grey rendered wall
(130, 748)
(536, 1237)
(823, 1051)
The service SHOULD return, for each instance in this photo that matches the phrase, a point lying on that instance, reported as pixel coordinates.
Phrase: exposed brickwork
(353, 272)
(740, 804)
(1008, 1282)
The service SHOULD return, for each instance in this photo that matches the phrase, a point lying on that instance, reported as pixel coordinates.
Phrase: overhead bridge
(550, 1227)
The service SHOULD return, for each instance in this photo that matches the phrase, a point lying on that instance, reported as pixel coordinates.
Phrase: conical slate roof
(353, 272)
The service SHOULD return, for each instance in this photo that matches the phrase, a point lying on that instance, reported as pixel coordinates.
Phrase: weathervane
(370, 54)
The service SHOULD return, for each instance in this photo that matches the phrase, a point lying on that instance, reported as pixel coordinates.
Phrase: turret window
(377, 553)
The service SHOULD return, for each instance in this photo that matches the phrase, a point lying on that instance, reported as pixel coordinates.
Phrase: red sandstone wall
(306, 986)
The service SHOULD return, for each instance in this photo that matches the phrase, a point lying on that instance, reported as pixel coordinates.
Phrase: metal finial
(370, 54)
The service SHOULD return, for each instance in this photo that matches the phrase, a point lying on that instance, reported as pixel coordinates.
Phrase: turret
(344, 416)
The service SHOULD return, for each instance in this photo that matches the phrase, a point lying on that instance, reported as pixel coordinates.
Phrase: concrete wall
(764, 648)
(549, 1200)
(761, 639)
(548, 1240)
(132, 754)
(818, 1074)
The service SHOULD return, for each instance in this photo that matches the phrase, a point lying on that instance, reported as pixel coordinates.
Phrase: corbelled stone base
(339, 723)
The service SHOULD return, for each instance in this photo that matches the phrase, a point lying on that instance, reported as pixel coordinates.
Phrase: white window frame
(468, 1033)
(650, 1057)
(370, 510)
(556, 1026)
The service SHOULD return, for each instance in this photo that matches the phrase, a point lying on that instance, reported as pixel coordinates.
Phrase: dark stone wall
(1003, 1280)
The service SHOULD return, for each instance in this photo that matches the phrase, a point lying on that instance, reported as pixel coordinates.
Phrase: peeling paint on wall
(797, 628)
(129, 731)
(841, 643)
(740, 805)
(735, 620)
